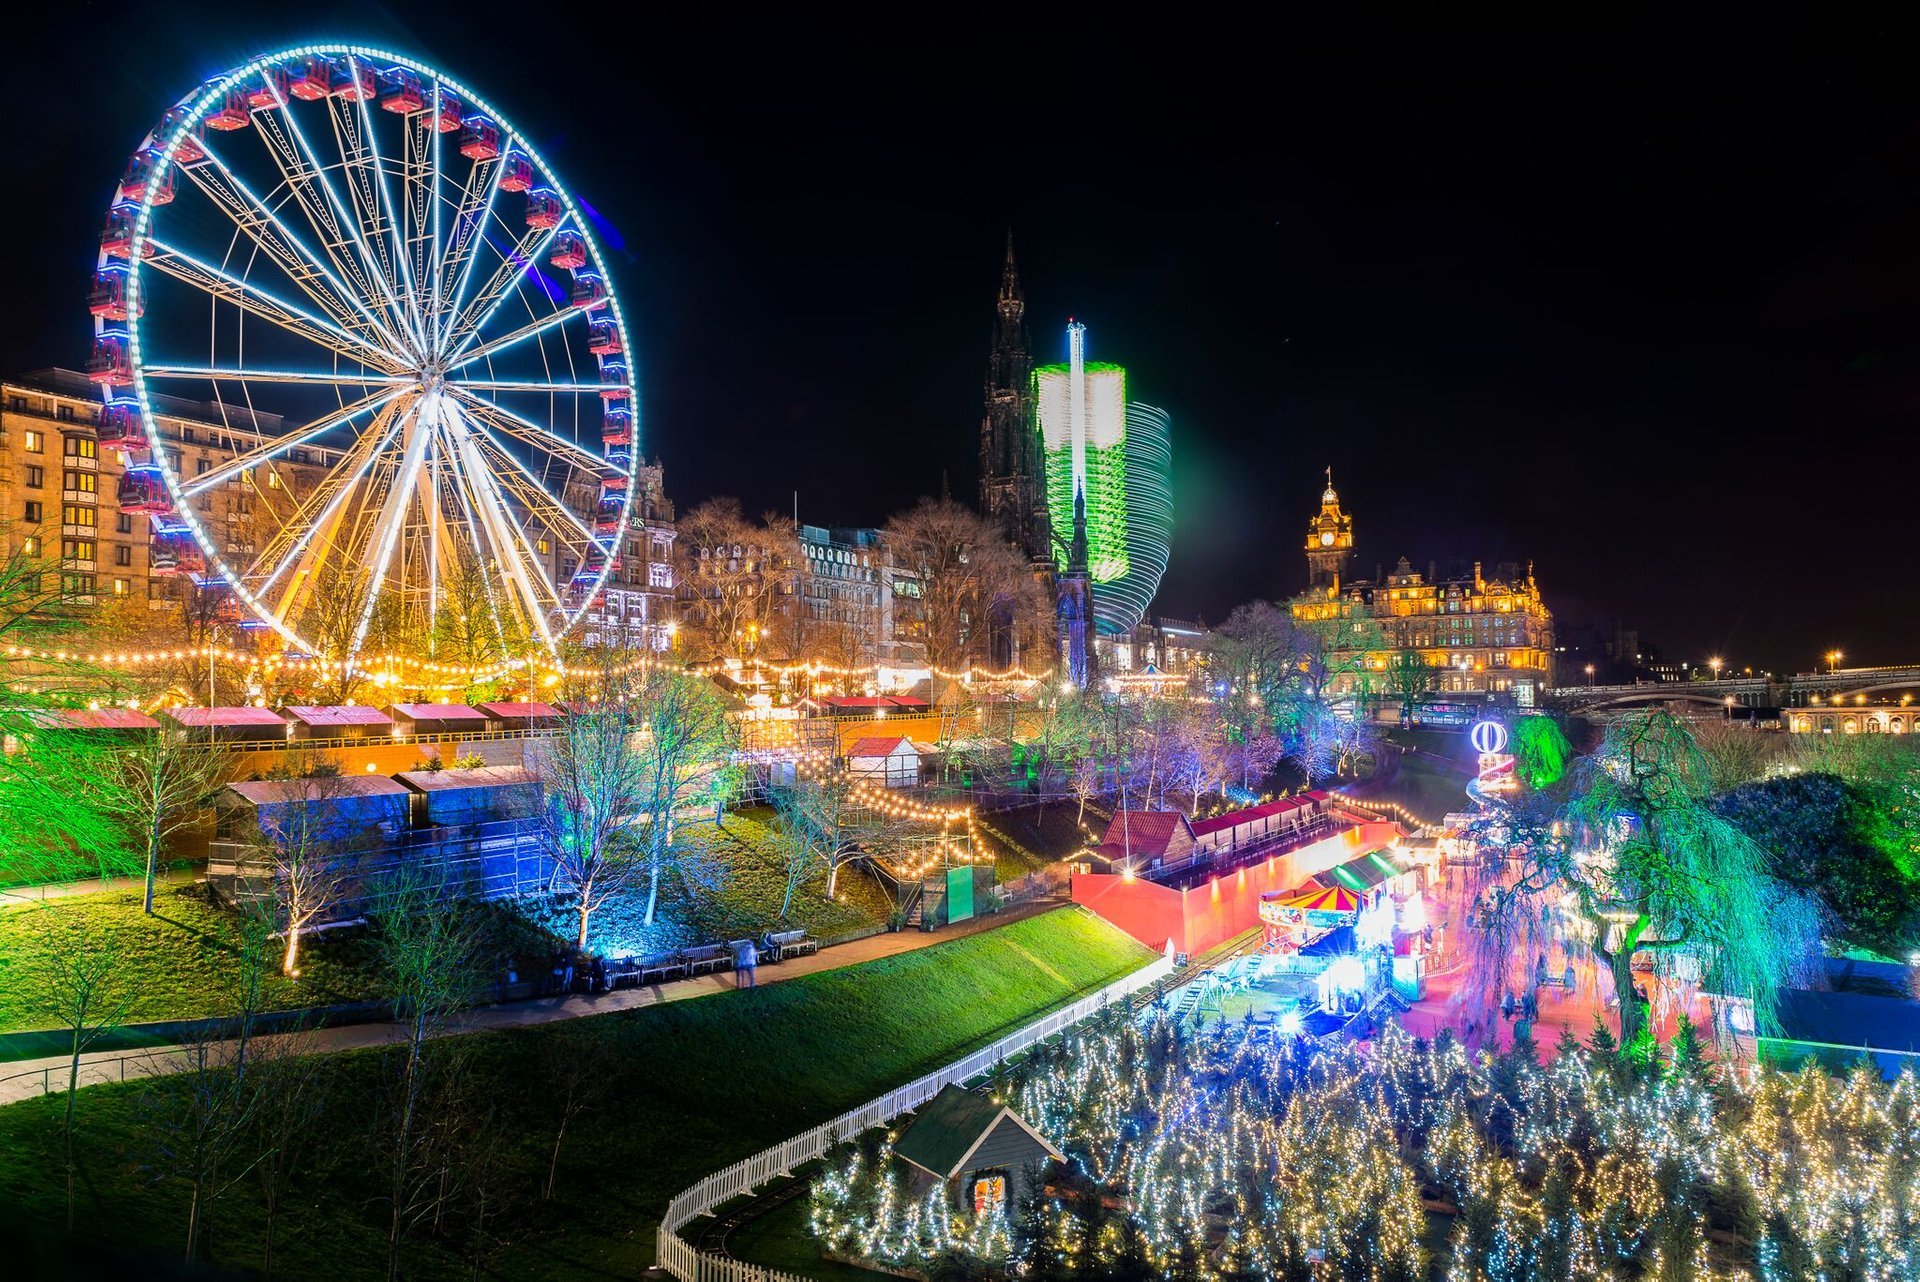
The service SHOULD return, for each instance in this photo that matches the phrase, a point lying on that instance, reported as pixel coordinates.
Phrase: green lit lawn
(699, 1084)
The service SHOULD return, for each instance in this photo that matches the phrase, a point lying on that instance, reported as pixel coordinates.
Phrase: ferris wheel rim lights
(154, 166)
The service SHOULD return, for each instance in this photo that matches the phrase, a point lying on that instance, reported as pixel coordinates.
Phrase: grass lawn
(735, 883)
(1041, 835)
(1431, 779)
(180, 963)
(693, 1086)
(781, 1239)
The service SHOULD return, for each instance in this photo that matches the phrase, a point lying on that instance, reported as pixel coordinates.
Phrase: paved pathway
(27, 1078)
(20, 896)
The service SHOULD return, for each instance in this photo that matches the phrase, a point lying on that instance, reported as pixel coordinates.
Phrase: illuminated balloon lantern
(1496, 763)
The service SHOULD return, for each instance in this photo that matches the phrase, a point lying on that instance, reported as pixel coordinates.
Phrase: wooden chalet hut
(982, 1152)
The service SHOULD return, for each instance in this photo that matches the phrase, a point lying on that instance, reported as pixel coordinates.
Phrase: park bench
(703, 959)
(782, 944)
(621, 970)
(658, 966)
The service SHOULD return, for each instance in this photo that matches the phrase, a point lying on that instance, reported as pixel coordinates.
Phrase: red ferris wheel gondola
(480, 139)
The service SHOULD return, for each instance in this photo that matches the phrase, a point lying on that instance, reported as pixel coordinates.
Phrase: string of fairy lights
(1256, 1156)
(399, 666)
(943, 849)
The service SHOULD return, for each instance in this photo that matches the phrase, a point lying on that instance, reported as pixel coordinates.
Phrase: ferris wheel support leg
(462, 491)
(492, 510)
(386, 531)
(308, 551)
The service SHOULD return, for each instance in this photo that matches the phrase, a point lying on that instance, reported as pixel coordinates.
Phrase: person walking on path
(745, 962)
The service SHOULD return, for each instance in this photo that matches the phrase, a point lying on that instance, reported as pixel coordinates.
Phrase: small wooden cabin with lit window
(981, 1151)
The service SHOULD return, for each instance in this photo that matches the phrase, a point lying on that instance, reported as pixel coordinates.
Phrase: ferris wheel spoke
(327, 214)
(273, 449)
(439, 244)
(531, 385)
(359, 162)
(495, 346)
(256, 301)
(277, 376)
(287, 251)
(302, 534)
(499, 418)
(469, 223)
(533, 495)
(385, 212)
(456, 483)
(418, 174)
(499, 287)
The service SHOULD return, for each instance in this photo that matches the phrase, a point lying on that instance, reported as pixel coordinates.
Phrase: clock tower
(1329, 542)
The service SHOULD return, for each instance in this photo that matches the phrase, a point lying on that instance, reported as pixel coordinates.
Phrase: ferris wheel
(415, 356)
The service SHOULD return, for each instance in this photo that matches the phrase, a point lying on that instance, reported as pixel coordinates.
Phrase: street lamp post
(1716, 665)
(1589, 676)
(1833, 660)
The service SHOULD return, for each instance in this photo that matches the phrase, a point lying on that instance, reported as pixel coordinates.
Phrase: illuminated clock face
(1326, 538)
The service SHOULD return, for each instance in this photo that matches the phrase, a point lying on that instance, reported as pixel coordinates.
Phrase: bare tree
(307, 842)
(158, 787)
(687, 746)
(204, 1114)
(580, 1072)
(430, 955)
(1197, 753)
(595, 785)
(819, 829)
(970, 579)
(473, 628)
(737, 578)
(1258, 654)
(292, 1086)
(86, 987)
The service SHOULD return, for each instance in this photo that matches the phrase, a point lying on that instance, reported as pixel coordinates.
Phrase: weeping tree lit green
(51, 828)
(1541, 751)
(1627, 858)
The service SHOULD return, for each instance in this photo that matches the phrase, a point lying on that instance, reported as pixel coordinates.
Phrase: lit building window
(989, 1194)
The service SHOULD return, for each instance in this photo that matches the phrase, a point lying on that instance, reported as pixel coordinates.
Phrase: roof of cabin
(338, 715)
(517, 711)
(92, 719)
(437, 712)
(879, 746)
(950, 1126)
(1251, 814)
(270, 792)
(240, 716)
(451, 779)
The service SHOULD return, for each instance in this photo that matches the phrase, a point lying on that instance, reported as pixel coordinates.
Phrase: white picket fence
(678, 1256)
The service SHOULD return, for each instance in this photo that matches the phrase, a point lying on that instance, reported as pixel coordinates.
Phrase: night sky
(1638, 304)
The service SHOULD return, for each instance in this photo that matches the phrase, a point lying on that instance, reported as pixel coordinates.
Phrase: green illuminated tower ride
(1121, 455)
(1082, 407)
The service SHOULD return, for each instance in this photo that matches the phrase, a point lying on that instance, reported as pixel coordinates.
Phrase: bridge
(1799, 690)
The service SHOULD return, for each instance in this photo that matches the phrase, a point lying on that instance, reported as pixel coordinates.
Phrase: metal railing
(680, 1258)
(93, 1072)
